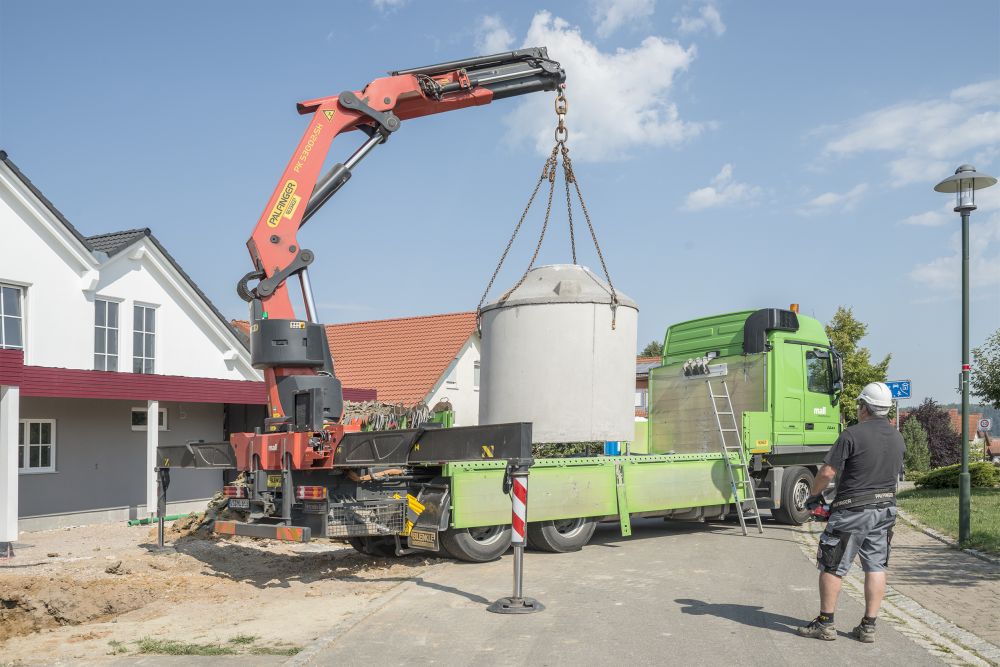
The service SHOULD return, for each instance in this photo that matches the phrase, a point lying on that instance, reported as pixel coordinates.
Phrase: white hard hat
(876, 394)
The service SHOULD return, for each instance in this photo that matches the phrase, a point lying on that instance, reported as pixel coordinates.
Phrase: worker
(866, 460)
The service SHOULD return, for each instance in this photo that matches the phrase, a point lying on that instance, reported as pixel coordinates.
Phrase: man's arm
(823, 478)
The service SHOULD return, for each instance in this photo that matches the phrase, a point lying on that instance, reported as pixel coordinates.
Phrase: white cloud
(707, 18)
(942, 274)
(930, 218)
(492, 36)
(388, 5)
(723, 191)
(618, 101)
(609, 15)
(835, 201)
(927, 139)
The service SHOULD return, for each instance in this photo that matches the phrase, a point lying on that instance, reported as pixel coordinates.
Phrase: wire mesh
(379, 517)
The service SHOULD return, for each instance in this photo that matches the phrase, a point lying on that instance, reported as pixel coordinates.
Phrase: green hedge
(983, 475)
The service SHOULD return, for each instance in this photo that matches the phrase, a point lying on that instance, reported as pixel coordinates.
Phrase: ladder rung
(730, 430)
(720, 395)
(724, 413)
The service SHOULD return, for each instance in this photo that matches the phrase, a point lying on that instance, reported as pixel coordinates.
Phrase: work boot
(818, 630)
(865, 632)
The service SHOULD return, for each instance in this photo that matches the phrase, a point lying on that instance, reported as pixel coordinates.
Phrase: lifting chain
(560, 149)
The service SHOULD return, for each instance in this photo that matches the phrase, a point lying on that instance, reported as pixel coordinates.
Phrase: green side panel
(585, 488)
(674, 485)
(640, 442)
(757, 434)
(569, 488)
(477, 497)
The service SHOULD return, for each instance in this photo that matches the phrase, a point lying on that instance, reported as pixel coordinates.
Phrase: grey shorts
(866, 533)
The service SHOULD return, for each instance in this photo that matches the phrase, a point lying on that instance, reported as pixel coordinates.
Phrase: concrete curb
(939, 636)
(330, 637)
(950, 541)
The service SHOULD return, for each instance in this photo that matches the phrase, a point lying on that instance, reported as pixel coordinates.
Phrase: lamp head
(964, 184)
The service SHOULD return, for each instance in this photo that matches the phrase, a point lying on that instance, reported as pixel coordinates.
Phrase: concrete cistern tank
(551, 357)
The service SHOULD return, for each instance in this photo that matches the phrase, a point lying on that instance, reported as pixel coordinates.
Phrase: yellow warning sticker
(296, 325)
(329, 113)
(488, 451)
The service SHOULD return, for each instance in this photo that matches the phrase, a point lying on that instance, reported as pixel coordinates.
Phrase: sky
(733, 155)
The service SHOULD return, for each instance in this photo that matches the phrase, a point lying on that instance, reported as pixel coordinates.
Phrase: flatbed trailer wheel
(795, 486)
(476, 545)
(561, 535)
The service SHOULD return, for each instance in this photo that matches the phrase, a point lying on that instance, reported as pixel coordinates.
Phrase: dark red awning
(75, 383)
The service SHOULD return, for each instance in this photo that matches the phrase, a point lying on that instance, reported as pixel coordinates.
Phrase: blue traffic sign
(899, 388)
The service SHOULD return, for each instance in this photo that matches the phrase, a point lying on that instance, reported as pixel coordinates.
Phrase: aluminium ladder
(743, 482)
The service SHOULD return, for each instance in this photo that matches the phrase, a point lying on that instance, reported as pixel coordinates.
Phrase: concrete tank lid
(561, 283)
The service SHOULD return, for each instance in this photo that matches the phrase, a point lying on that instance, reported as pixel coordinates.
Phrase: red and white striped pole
(517, 603)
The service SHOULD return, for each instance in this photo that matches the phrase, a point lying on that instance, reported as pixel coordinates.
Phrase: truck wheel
(562, 535)
(795, 489)
(383, 547)
(476, 545)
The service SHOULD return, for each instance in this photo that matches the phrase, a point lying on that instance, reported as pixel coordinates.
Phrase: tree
(654, 349)
(985, 382)
(942, 440)
(918, 454)
(844, 331)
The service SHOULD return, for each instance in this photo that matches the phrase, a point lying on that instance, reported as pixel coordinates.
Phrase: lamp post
(964, 184)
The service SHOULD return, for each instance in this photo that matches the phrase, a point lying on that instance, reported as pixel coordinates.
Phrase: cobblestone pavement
(939, 588)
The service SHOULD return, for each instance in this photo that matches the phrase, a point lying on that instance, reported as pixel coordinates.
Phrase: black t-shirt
(868, 458)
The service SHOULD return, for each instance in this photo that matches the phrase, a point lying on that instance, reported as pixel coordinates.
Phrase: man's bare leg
(874, 592)
(829, 592)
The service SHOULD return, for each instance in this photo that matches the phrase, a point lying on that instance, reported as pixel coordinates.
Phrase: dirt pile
(30, 604)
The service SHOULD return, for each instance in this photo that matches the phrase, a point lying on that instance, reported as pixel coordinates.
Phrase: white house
(100, 336)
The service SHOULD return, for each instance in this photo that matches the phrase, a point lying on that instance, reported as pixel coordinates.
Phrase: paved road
(673, 593)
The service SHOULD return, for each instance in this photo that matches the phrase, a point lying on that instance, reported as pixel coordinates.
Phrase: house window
(640, 398)
(36, 445)
(140, 419)
(105, 335)
(475, 375)
(143, 339)
(11, 318)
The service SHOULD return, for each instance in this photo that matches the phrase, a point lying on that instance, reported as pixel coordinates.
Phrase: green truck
(784, 380)
(439, 489)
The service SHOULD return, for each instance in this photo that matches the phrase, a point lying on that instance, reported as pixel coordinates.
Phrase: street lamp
(964, 184)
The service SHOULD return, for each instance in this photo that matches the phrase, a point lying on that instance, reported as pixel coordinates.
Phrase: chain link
(560, 149)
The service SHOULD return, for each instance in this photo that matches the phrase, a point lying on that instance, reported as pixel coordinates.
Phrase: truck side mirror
(838, 370)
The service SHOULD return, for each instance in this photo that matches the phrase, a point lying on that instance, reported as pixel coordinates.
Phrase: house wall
(183, 346)
(61, 278)
(456, 384)
(45, 264)
(101, 462)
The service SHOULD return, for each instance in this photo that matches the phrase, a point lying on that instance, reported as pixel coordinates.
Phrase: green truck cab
(785, 380)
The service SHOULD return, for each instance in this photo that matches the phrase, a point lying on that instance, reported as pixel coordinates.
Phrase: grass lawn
(938, 508)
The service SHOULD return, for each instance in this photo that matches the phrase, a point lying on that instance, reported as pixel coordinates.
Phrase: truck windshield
(819, 374)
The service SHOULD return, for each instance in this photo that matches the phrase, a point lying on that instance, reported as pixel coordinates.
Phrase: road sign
(985, 424)
(899, 388)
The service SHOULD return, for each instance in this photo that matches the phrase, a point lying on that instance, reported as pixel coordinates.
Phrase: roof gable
(401, 358)
(112, 243)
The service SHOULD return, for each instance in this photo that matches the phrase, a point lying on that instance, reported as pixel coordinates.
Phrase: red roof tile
(400, 358)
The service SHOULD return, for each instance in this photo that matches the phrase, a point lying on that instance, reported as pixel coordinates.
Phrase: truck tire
(795, 486)
(382, 547)
(562, 535)
(476, 545)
